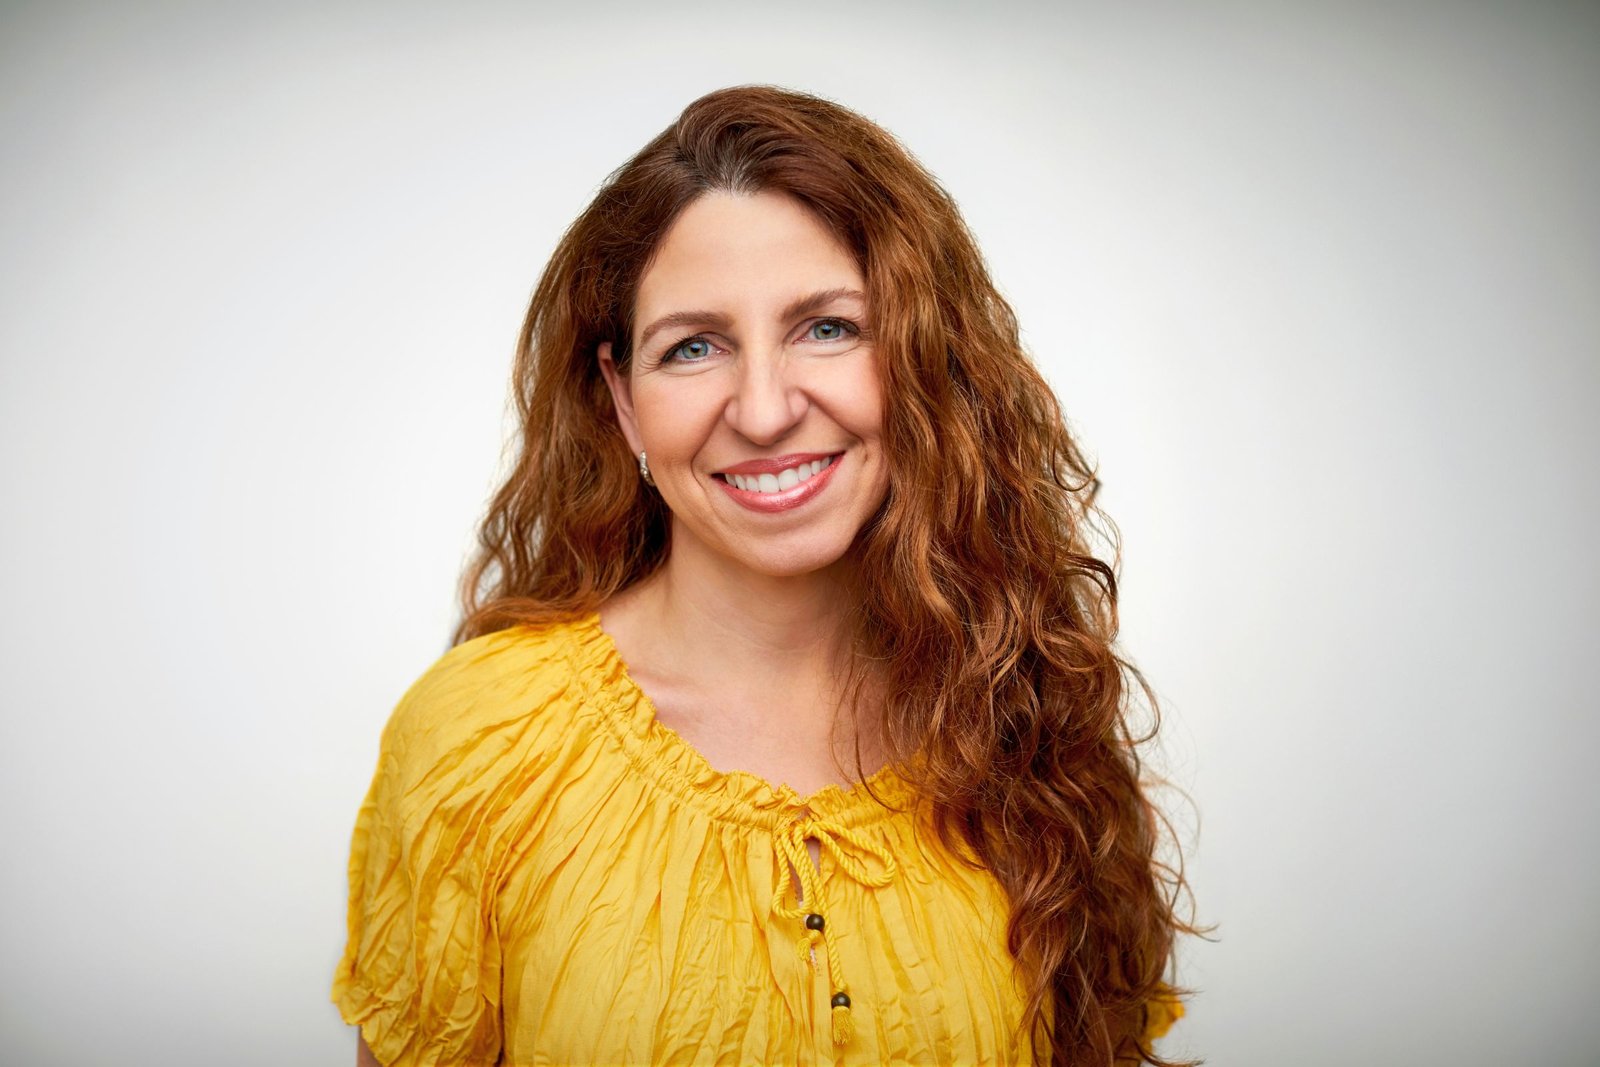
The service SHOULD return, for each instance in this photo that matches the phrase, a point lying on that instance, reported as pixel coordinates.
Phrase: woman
(793, 507)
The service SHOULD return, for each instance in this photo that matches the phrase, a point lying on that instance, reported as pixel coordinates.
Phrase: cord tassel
(843, 1028)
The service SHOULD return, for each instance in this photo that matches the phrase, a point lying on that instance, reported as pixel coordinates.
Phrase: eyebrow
(804, 305)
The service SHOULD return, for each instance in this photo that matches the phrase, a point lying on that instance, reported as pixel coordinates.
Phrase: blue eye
(691, 351)
(830, 330)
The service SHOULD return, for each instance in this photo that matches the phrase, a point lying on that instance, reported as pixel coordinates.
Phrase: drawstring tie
(791, 840)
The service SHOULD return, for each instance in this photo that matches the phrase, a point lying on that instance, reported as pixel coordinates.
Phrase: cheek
(675, 417)
(863, 409)
(852, 395)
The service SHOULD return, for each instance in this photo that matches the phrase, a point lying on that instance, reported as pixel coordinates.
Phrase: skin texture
(739, 638)
(760, 385)
(364, 1056)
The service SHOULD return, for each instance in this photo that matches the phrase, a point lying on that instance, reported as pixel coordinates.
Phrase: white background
(1318, 284)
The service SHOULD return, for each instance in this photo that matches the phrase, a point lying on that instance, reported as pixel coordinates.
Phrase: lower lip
(787, 499)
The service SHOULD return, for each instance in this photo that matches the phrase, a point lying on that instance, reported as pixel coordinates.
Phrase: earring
(644, 470)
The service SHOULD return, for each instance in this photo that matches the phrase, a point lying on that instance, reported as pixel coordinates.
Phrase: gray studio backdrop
(1317, 284)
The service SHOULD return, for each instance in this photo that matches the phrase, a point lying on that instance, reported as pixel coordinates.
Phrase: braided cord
(831, 836)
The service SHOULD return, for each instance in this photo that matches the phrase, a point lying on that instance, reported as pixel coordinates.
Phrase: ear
(621, 387)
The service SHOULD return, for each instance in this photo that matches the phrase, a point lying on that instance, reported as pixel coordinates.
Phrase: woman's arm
(364, 1056)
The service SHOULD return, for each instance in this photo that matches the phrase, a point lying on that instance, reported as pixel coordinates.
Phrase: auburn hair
(984, 611)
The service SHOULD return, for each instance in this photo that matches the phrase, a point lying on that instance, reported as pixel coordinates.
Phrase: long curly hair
(984, 609)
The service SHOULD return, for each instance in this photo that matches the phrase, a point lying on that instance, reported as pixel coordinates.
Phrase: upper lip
(775, 465)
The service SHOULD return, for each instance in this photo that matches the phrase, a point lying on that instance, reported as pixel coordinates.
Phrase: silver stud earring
(644, 470)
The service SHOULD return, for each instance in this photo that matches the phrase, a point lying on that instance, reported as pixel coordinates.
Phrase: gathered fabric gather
(543, 873)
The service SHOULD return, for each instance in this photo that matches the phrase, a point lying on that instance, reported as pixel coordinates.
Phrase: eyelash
(850, 330)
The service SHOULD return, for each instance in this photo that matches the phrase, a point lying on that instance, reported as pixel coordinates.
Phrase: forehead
(743, 254)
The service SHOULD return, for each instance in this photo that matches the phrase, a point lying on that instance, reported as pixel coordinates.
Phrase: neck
(755, 667)
(789, 624)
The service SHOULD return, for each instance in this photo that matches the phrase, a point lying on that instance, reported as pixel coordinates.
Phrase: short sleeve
(1160, 1013)
(420, 972)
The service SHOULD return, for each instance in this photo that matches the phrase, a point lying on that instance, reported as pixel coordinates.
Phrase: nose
(766, 403)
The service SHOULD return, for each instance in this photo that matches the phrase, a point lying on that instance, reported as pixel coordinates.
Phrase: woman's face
(753, 386)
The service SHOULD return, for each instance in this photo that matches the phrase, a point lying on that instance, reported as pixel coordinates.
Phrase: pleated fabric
(542, 873)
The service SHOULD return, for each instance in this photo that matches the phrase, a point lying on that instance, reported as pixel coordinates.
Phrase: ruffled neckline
(674, 765)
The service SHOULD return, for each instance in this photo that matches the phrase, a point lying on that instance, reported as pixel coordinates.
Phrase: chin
(795, 553)
(794, 556)
(792, 564)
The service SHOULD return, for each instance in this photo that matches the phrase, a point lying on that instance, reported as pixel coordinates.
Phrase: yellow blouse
(542, 873)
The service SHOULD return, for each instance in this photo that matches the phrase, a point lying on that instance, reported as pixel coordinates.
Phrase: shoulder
(498, 667)
(487, 688)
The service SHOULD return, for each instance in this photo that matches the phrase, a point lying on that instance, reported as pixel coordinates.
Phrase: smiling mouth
(780, 481)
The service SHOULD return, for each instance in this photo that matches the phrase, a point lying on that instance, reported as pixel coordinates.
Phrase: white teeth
(777, 483)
